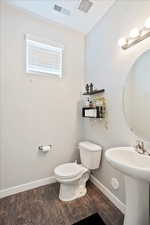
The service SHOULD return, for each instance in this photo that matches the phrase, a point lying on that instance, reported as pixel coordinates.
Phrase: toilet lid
(68, 170)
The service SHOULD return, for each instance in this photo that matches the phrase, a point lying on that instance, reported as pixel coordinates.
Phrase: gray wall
(38, 109)
(1, 71)
(108, 66)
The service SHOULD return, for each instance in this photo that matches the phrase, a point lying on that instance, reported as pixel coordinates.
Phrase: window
(43, 57)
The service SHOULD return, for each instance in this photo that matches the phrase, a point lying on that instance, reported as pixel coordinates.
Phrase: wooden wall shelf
(95, 92)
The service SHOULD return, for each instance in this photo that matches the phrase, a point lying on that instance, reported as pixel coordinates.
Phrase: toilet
(73, 177)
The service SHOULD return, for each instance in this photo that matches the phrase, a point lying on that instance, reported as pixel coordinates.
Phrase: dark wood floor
(41, 206)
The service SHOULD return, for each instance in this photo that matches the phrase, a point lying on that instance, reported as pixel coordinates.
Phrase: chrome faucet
(139, 147)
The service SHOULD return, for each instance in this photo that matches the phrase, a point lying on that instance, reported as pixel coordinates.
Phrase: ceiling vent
(85, 5)
(62, 10)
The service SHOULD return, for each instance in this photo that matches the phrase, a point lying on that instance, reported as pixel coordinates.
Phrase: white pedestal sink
(136, 168)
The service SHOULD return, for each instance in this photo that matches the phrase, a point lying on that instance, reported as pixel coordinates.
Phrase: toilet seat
(68, 170)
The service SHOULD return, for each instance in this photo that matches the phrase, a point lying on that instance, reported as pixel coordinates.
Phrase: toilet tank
(90, 154)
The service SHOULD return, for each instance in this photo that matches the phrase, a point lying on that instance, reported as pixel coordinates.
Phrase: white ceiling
(77, 20)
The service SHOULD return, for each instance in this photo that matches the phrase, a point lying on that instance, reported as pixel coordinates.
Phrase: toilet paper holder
(45, 148)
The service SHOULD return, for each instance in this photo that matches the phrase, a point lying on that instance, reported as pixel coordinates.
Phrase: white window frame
(48, 45)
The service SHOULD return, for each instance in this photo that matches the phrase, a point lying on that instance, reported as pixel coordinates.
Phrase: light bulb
(134, 33)
(122, 42)
(147, 23)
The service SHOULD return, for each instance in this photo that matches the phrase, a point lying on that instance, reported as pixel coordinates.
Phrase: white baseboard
(121, 206)
(26, 187)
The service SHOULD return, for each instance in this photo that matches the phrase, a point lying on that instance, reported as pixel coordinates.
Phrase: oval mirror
(136, 97)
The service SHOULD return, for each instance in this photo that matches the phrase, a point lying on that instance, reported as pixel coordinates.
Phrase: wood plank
(41, 206)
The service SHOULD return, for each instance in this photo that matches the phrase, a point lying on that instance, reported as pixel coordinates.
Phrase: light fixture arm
(136, 41)
(136, 36)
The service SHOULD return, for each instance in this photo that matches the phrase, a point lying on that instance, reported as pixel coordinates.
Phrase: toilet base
(68, 197)
(74, 190)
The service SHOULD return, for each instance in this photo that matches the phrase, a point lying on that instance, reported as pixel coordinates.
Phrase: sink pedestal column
(137, 202)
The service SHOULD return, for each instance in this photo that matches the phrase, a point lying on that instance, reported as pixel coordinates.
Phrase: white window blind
(42, 57)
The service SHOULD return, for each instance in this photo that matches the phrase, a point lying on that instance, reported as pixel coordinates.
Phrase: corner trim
(120, 205)
(25, 187)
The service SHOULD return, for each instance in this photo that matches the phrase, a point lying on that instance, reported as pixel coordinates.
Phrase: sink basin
(129, 162)
(136, 168)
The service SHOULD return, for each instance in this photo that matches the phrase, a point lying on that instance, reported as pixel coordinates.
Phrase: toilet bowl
(73, 177)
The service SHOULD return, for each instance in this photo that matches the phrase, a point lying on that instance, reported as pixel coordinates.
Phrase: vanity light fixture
(135, 36)
(122, 42)
(135, 33)
(147, 23)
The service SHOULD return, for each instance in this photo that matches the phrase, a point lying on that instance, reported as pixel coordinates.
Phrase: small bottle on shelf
(91, 104)
(91, 88)
(87, 88)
